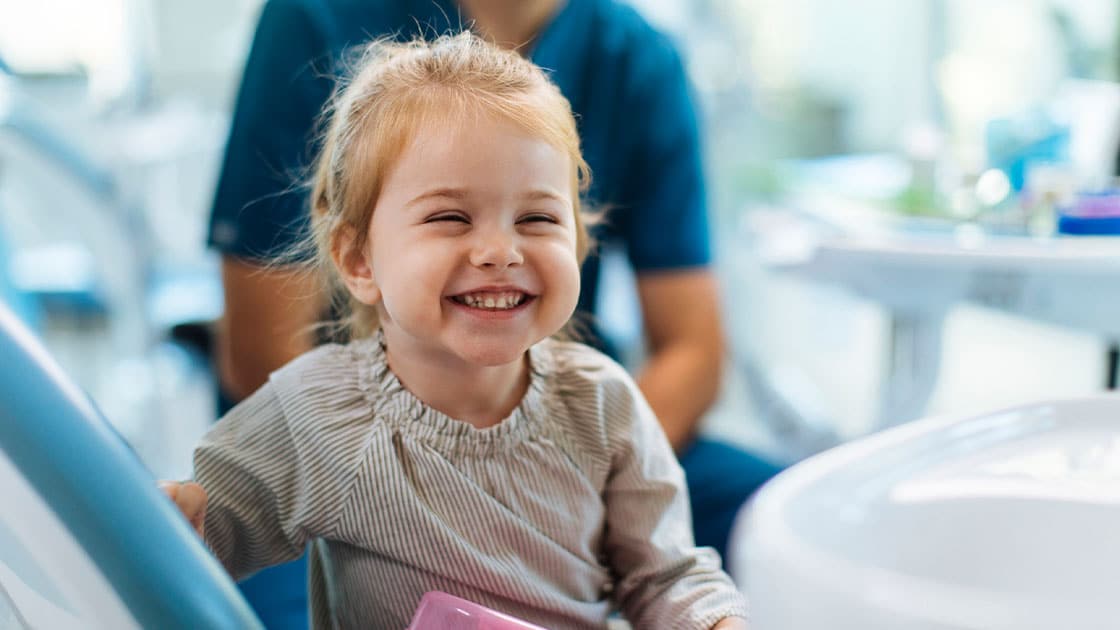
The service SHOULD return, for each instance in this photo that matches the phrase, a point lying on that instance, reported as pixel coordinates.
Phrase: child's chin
(494, 357)
(493, 354)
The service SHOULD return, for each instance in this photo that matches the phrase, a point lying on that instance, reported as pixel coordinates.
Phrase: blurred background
(895, 186)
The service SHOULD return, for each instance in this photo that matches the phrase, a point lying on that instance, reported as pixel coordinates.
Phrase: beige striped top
(568, 509)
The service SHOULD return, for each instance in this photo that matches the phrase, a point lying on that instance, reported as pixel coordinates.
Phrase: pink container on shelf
(440, 611)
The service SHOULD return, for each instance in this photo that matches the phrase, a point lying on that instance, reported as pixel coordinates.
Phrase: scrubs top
(625, 82)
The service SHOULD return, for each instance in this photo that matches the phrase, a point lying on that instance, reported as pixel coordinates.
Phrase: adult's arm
(681, 376)
(667, 238)
(267, 322)
(259, 210)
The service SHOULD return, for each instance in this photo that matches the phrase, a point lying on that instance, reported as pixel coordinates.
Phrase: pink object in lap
(440, 611)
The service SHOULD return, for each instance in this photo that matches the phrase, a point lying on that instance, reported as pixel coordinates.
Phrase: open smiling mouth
(493, 301)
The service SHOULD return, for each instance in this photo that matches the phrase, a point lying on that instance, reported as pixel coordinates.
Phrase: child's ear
(354, 267)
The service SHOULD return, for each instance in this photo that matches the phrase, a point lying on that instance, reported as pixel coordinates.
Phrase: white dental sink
(998, 521)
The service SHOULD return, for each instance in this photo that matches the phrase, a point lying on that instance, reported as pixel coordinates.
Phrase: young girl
(454, 445)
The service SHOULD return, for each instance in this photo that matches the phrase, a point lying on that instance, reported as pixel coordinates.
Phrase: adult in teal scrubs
(637, 121)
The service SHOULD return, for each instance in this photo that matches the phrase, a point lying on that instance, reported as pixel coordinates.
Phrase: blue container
(1094, 213)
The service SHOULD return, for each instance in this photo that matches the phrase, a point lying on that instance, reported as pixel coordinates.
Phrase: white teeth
(493, 301)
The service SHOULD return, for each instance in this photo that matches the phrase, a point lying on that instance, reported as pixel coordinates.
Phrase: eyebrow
(460, 193)
(537, 195)
(451, 193)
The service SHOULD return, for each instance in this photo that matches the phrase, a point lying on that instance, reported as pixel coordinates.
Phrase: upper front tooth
(507, 299)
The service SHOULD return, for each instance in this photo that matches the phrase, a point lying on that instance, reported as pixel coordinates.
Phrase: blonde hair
(397, 89)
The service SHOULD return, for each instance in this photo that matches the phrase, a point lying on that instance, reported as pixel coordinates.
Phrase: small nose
(496, 248)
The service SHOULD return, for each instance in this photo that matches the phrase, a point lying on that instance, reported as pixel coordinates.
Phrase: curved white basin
(1006, 520)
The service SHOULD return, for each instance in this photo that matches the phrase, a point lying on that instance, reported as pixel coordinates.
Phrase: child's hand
(190, 498)
(731, 623)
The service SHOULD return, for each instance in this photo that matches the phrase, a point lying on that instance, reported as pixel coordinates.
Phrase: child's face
(472, 244)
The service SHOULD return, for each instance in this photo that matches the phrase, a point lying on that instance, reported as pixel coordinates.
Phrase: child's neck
(479, 396)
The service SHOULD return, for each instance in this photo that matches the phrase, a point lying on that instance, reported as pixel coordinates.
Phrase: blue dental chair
(86, 538)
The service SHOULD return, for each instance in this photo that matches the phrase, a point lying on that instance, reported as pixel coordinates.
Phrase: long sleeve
(249, 465)
(664, 581)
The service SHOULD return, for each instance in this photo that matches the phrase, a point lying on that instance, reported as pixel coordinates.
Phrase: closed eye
(449, 217)
(538, 218)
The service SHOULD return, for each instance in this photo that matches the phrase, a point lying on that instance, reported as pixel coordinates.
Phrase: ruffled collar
(395, 405)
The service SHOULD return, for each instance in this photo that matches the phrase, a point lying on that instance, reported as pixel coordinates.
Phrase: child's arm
(732, 623)
(253, 472)
(664, 580)
(190, 498)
